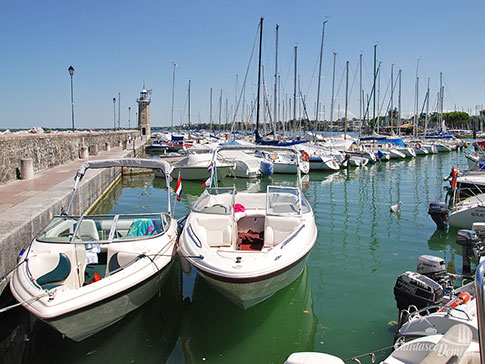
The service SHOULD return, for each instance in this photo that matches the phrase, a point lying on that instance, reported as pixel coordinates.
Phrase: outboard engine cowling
(439, 214)
(266, 167)
(468, 239)
(434, 268)
(412, 288)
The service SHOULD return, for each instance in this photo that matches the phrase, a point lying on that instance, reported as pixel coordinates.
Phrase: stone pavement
(27, 206)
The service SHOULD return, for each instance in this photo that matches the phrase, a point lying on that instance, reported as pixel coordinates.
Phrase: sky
(117, 47)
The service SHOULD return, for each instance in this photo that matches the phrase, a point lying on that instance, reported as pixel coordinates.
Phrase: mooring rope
(28, 302)
(11, 270)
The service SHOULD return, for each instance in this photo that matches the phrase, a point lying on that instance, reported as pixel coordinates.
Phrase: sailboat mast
(399, 106)
(210, 113)
(259, 71)
(427, 110)
(374, 94)
(361, 98)
(392, 96)
(319, 75)
(346, 97)
(333, 90)
(173, 96)
(275, 106)
(294, 91)
(189, 107)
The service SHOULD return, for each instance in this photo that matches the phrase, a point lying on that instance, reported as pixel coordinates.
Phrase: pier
(27, 205)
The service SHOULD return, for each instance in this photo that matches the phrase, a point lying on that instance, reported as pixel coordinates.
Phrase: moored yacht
(83, 273)
(249, 245)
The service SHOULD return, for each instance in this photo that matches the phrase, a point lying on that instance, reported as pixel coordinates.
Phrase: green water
(342, 304)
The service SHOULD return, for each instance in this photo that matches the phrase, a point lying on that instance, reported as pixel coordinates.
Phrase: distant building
(144, 112)
(482, 112)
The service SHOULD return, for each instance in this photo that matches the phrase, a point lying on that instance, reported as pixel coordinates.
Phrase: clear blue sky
(115, 46)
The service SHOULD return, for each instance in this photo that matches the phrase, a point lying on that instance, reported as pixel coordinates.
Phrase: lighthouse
(144, 112)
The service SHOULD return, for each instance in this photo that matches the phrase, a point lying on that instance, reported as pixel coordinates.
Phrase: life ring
(417, 146)
(463, 297)
(305, 156)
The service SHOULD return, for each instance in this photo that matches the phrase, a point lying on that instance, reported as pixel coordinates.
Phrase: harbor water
(342, 304)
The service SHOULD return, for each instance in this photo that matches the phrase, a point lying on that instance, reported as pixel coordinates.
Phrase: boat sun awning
(125, 162)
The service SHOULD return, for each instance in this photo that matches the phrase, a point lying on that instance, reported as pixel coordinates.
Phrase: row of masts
(291, 107)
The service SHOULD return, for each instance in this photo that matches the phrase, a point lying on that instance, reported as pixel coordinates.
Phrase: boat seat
(56, 276)
(278, 228)
(451, 346)
(119, 260)
(88, 230)
(216, 230)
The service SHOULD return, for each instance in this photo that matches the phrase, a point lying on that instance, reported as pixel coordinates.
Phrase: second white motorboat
(249, 245)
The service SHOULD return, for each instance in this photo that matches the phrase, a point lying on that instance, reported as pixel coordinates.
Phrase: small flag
(209, 169)
(178, 189)
(207, 182)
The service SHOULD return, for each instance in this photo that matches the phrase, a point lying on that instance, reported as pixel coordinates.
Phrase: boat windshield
(283, 201)
(104, 228)
(216, 200)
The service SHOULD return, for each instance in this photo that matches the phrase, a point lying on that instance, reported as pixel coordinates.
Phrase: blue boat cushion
(58, 274)
(113, 263)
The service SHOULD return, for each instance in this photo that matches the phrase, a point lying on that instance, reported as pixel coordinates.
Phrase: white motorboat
(467, 212)
(285, 162)
(83, 273)
(197, 166)
(249, 245)
(246, 165)
(320, 158)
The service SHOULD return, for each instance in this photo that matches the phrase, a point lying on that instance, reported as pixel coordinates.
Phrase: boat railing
(480, 296)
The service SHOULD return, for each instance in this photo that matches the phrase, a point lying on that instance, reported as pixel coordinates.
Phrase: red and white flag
(178, 188)
(207, 183)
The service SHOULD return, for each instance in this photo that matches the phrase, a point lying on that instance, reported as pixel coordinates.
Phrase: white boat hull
(246, 293)
(88, 321)
(199, 173)
(467, 212)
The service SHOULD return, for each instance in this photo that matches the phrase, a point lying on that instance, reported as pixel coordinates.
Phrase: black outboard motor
(468, 239)
(439, 214)
(413, 288)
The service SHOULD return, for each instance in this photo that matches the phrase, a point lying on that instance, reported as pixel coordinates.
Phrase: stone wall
(48, 150)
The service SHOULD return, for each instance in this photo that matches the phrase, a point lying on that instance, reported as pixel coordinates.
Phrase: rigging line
(243, 88)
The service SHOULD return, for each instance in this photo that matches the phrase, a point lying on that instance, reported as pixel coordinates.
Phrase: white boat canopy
(162, 165)
(125, 162)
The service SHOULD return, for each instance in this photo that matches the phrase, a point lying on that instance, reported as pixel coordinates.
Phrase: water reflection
(217, 331)
(146, 335)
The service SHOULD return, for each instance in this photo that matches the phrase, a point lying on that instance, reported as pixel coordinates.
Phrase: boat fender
(417, 146)
(305, 156)
(463, 297)
(454, 176)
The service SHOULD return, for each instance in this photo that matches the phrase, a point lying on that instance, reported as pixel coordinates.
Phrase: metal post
(479, 275)
(114, 113)
(71, 72)
(129, 117)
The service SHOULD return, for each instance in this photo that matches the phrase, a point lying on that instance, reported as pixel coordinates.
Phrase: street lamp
(129, 116)
(114, 113)
(71, 72)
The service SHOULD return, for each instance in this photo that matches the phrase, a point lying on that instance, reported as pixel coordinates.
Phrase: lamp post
(129, 117)
(114, 113)
(71, 73)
